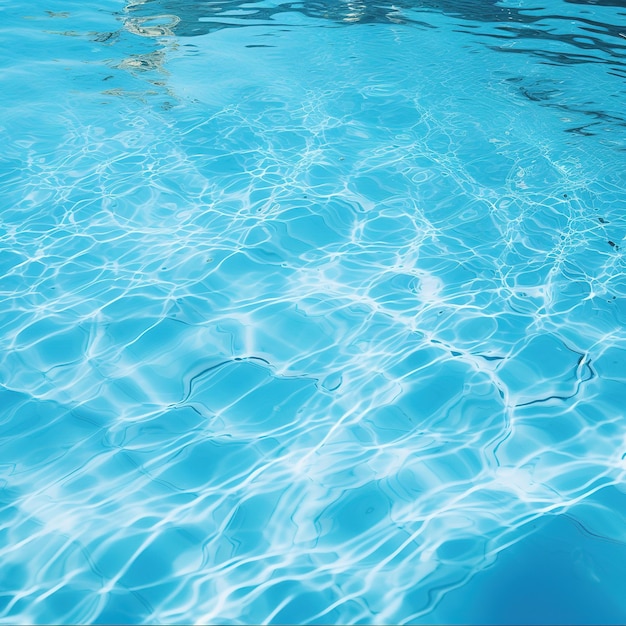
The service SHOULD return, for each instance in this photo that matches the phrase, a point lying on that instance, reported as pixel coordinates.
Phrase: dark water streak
(555, 40)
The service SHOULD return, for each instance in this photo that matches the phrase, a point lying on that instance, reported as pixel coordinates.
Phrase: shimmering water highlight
(313, 313)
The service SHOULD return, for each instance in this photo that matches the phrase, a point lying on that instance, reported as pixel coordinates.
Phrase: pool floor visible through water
(313, 312)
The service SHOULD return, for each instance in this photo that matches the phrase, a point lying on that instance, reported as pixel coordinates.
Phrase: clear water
(313, 312)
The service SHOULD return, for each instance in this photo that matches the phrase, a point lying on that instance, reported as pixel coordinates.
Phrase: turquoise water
(313, 312)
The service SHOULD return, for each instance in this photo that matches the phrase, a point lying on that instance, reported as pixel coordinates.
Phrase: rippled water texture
(313, 312)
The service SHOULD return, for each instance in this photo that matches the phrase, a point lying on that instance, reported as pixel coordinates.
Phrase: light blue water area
(313, 312)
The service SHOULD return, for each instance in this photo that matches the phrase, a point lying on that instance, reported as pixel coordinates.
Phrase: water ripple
(317, 342)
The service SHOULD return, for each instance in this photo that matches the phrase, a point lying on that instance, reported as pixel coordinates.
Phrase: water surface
(313, 312)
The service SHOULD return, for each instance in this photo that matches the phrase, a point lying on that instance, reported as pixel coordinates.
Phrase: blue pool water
(313, 312)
